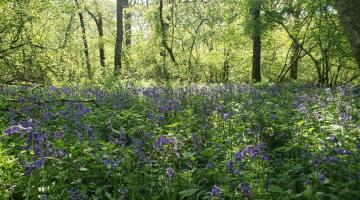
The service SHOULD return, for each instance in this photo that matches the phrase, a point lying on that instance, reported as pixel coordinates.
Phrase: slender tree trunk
(127, 24)
(226, 67)
(119, 37)
(294, 61)
(127, 32)
(295, 50)
(85, 43)
(256, 35)
(98, 18)
(100, 27)
(163, 30)
(349, 11)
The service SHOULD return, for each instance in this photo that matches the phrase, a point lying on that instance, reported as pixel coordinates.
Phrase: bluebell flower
(29, 168)
(239, 156)
(60, 153)
(226, 116)
(333, 138)
(17, 129)
(215, 191)
(58, 135)
(342, 151)
(210, 165)
(163, 140)
(219, 108)
(47, 116)
(230, 167)
(169, 172)
(246, 190)
(121, 140)
(265, 157)
(107, 163)
(333, 159)
(73, 194)
(322, 178)
(90, 132)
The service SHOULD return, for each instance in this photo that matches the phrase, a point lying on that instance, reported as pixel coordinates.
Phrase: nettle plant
(210, 142)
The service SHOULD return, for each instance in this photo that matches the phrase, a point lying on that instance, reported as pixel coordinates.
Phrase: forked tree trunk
(98, 19)
(85, 43)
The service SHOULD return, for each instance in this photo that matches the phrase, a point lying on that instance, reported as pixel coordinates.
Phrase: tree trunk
(98, 18)
(100, 28)
(226, 67)
(127, 24)
(256, 35)
(163, 30)
(295, 49)
(119, 37)
(86, 46)
(349, 11)
(294, 61)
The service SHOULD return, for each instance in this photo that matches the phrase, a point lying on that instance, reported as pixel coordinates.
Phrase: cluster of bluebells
(216, 192)
(246, 190)
(170, 172)
(19, 128)
(169, 142)
(252, 152)
(164, 104)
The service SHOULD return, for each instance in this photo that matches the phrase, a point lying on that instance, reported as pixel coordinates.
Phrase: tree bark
(98, 19)
(127, 24)
(294, 61)
(119, 37)
(349, 11)
(85, 43)
(256, 35)
(163, 29)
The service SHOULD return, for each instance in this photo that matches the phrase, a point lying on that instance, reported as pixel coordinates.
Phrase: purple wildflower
(215, 191)
(107, 163)
(230, 167)
(226, 116)
(169, 172)
(333, 159)
(333, 138)
(17, 129)
(58, 135)
(164, 140)
(246, 190)
(73, 194)
(322, 178)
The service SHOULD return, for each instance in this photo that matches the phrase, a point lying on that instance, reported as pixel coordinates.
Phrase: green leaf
(209, 152)
(108, 195)
(188, 192)
(83, 169)
(275, 188)
(173, 125)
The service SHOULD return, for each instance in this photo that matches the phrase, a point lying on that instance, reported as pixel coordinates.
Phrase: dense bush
(195, 142)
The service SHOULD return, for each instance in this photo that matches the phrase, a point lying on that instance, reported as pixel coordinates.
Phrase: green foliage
(42, 42)
(269, 142)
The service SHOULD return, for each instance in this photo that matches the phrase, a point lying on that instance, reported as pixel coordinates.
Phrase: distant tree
(255, 9)
(163, 33)
(127, 31)
(119, 37)
(127, 23)
(85, 43)
(349, 11)
(98, 19)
